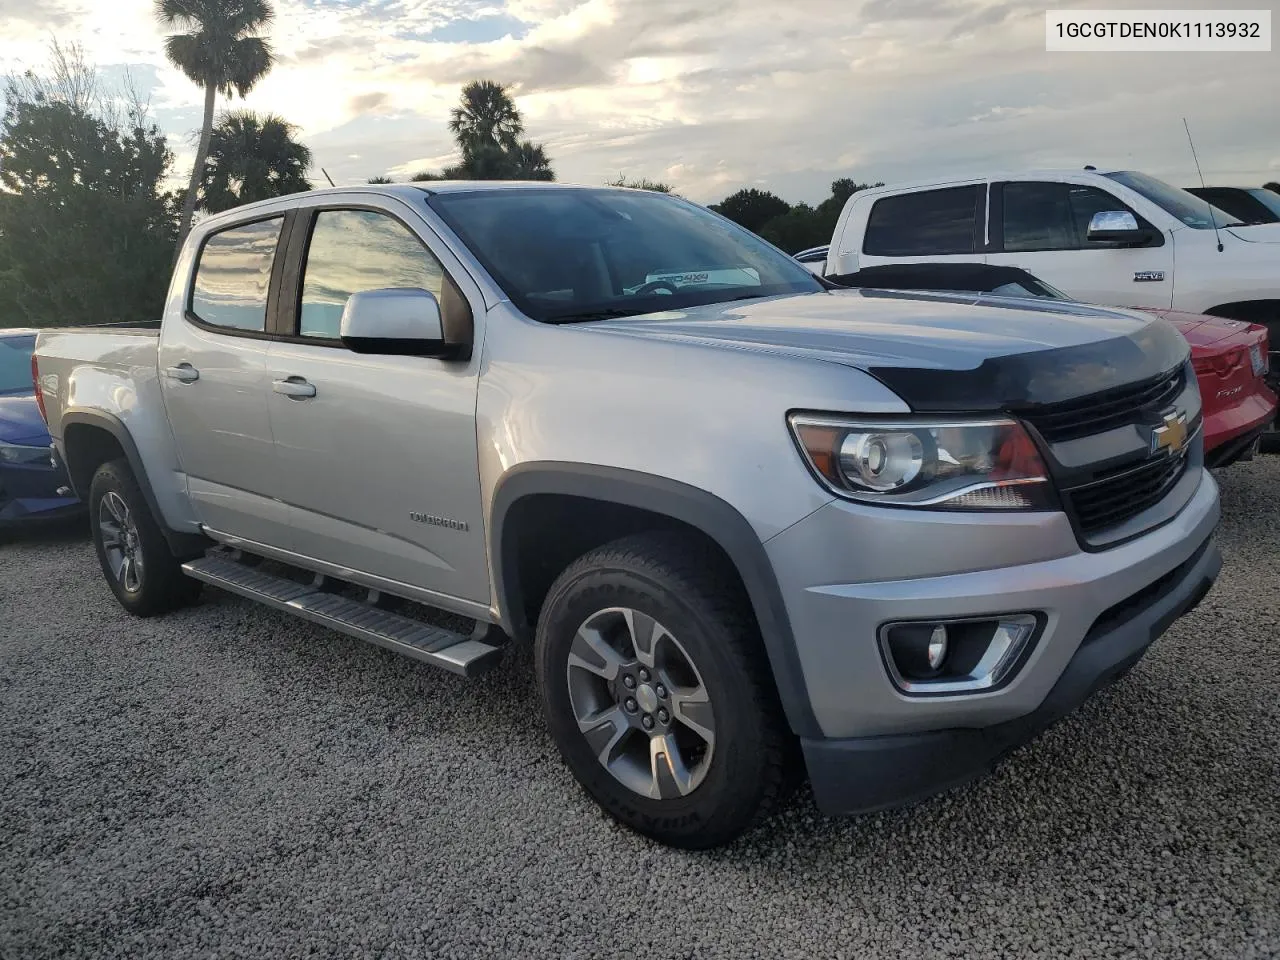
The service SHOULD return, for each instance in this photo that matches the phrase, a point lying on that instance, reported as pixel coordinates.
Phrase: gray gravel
(229, 782)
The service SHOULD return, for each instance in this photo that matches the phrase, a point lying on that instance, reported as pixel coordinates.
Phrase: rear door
(1041, 226)
(378, 460)
(214, 382)
(944, 225)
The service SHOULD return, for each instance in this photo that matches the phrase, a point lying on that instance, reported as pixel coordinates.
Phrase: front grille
(1104, 411)
(1114, 499)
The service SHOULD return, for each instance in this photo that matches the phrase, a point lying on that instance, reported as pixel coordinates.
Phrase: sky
(711, 95)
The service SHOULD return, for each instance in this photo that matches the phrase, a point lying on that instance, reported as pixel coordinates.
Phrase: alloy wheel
(120, 541)
(641, 704)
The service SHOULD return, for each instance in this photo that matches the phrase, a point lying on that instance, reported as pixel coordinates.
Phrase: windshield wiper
(588, 315)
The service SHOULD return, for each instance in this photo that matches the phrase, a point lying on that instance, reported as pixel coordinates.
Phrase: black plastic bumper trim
(865, 774)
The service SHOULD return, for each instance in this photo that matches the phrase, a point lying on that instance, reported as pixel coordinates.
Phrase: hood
(20, 422)
(1258, 233)
(938, 351)
(1202, 330)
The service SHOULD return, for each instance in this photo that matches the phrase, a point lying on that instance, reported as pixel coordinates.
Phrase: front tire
(141, 570)
(657, 691)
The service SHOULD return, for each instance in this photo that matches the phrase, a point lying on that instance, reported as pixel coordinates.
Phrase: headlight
(12, 453)
(954, 465)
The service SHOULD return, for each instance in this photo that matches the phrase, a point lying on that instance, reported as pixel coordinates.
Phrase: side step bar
(455, 652)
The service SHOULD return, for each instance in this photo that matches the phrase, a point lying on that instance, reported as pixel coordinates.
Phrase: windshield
(1187, 207)
(15, 364)
(564, 255)
(1267, 198)
(1029, 288)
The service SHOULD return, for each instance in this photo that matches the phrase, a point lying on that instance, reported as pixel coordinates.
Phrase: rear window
(234, 274)
(924, 224)
(15, 364)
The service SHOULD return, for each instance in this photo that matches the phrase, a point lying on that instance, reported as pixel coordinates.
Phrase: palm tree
(487, 116)
(250, 158)
(529, 161)
(217, 46)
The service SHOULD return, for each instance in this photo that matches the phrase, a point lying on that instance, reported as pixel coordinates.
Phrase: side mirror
(401, 321)
(1116, 226)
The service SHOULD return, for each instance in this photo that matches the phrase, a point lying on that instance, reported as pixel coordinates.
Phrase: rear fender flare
(182, 544)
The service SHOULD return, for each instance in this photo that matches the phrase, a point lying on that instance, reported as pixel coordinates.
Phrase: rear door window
(927, 223)
(233, 276)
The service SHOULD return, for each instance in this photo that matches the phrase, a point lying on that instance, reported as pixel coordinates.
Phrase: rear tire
(141, 570)
(687, 718)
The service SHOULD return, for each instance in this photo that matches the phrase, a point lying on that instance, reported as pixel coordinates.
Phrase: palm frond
(247, 61)
(248, 16)
(186, 52)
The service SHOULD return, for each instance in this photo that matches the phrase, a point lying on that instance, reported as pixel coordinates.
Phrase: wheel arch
(1265, 312)
(624, 502)
(91, 438)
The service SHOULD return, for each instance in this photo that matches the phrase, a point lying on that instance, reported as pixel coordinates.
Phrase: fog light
(956, 656)
(937, 646)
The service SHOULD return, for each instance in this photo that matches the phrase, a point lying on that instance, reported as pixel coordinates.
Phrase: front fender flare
(690, 505)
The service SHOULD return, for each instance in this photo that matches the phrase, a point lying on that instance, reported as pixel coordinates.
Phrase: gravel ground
(230, 782)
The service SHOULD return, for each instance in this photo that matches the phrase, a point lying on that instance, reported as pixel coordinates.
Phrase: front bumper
(847, 569)
(862, 774)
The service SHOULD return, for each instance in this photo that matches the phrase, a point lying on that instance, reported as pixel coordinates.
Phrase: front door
(213, 375)
(377, 454)
(1041, 227)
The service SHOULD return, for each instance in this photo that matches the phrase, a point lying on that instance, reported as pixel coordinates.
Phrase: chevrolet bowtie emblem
(1171, 437)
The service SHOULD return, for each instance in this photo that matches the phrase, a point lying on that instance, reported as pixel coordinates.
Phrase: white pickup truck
(741, 517)
(1116, 237)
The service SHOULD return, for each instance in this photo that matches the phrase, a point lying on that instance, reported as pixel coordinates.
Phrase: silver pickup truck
(752, 526)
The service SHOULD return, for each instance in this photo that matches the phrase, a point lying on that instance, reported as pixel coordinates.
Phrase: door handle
(295, 388)
(183, 373)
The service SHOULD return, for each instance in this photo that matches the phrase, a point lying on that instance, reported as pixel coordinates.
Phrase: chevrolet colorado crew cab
(1116, 237)
(752, 525)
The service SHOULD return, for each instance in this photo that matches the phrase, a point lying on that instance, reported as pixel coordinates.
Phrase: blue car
(33, 485)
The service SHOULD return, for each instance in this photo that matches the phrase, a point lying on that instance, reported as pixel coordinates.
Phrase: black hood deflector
(1027, 381)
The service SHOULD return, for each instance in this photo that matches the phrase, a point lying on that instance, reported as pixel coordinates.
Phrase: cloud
(717, 94)
(368, 102)
(44, 14)
(889, 10)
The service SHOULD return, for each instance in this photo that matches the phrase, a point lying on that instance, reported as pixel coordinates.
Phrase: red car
(1230, 356)
(1231, 363)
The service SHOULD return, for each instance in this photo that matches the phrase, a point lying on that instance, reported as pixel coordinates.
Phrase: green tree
(486, 117)
(218, 47)
(1273, 187)
(379, 179)
(250, 158)
(86, 229)
(799, 228)
(752, 208)
(529, 161)
(487, 126)
(791, 228)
